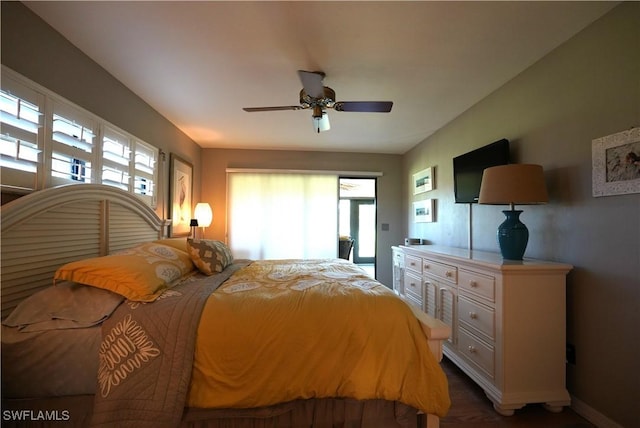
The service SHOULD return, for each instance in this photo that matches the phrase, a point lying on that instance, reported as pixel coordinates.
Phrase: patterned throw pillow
(209, 256)
(140, 274)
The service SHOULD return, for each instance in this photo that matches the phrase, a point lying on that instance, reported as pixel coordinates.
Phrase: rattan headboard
(46, 229)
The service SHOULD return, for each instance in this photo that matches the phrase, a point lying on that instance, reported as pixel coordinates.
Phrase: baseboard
(592, 415)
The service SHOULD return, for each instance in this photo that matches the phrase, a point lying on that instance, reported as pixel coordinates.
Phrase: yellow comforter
(282, 330)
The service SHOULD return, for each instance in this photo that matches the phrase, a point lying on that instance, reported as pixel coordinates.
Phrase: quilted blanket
(283, 330)
(146, 356)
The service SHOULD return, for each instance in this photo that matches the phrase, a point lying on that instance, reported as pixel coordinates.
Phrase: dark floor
(470, 407)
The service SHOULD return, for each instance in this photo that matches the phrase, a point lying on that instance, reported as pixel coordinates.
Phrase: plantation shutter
(21, 137)
(73, 156)
(146, 158)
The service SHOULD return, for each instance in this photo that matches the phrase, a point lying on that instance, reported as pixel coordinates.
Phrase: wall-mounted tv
(468, 168)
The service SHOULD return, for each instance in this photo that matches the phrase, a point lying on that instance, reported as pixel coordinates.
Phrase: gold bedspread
(276, 331)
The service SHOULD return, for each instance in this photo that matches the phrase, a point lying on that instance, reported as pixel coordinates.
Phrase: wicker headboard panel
(46, 229)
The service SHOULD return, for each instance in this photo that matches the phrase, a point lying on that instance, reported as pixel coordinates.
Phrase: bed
(219, 343)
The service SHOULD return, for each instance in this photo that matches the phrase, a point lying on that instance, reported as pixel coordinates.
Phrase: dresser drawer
(476, 351)
(398, 258)
(413, 301)
(413, 263)
(477, 283)
(440, 270)
(476, 316)
(413, 286)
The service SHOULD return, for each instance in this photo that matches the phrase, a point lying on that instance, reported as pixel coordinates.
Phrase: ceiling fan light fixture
(314, 95)
(320, 123)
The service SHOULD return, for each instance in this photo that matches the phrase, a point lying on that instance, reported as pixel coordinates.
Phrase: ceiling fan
(314, 95)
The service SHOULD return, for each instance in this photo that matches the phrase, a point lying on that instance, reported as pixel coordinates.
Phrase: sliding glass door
(363, 225)
(357, 217)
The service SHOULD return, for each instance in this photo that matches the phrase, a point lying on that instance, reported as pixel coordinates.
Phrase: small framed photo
(423, 181)
(423, 211)
(616, 163)
(181, 190)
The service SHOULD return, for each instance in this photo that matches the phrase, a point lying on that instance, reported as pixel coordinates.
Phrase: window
(20, 145)
(47, 141)
(73, 141)
(283, 215)
(116, 158)
(144, 167)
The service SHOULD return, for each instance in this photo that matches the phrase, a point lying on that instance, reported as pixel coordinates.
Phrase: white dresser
(507, 319)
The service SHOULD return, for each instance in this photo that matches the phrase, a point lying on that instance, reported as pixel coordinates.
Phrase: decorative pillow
(140, 274)
(66, 305)
(179, 243)
(208, 255)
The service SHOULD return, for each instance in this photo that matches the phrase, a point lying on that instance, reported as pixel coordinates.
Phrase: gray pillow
(62, 306)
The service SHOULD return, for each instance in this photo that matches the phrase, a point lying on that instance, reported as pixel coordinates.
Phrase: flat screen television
(468, 168)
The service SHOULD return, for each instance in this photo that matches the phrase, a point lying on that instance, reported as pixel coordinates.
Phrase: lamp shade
(203, 214)
(521, 184)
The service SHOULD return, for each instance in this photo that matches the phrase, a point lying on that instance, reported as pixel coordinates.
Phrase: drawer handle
(412, 263)
(426, 266)
(473, 315)
(473, 284)
(449, 274)
(472, 349)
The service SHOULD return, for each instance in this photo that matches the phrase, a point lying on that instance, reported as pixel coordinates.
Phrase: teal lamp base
(513, 236)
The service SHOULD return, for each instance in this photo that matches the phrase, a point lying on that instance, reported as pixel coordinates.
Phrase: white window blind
(20, 134)
(282, 215)
(73, 145)
(116, 158)
(46, 140)
(145, 161)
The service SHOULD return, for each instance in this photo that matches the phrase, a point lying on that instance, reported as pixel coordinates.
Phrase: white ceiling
(199, 63)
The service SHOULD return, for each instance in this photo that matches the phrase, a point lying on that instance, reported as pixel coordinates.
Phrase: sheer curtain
(282, 215)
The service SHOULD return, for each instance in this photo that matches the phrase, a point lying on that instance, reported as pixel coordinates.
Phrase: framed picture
(423, 211)
(181, 191)
(423, 181)
(616, 163)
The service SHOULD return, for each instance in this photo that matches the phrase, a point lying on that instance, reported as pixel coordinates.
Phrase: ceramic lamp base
(513, 236)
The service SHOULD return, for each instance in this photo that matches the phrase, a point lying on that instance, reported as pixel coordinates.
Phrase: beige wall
(585, 89)
(389, 206)
(32, 48)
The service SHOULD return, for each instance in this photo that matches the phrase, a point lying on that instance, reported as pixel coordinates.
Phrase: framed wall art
(423, 211)
(616, 163)
(181, 191)
(423, 181)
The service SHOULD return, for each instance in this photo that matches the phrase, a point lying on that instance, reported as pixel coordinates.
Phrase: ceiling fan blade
(254, 109)
(364, 106)
(312, 83)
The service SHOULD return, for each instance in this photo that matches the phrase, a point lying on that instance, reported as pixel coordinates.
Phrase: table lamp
(204, 215)
(521, 184)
